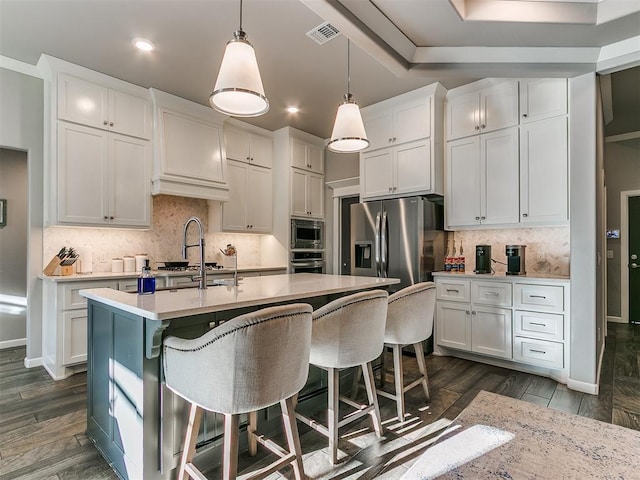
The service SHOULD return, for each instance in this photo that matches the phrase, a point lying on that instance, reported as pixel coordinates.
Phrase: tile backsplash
(547, 249)
(162, 243)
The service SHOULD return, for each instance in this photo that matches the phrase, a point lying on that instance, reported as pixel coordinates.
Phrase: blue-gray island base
(133, 419)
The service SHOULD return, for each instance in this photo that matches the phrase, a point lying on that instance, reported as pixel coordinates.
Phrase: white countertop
(502, 276)
(76, 277)
(252, 291)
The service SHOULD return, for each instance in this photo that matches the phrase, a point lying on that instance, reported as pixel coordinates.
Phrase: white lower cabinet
(479, 326)
(524, 321)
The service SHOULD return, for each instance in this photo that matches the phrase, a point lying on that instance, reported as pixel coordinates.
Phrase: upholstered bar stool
(409, 322)
(248, 363)
(346, 333)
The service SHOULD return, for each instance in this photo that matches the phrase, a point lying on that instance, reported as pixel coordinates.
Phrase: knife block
(51, 267)
(66, 270)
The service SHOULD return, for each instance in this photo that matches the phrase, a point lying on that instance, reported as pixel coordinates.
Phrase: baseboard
(584, 387)
(33, 362)
(615, 319)
(18, 342)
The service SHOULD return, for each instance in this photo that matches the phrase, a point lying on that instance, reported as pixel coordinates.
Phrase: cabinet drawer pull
(538, 324)
(493, 294)
(537, 296)
(538, 351)
(524, 115)
(453, 290)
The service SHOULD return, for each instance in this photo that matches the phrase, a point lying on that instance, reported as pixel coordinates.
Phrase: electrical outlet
(609, 253)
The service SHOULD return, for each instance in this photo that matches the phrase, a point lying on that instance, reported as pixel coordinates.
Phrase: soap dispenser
(146, 280)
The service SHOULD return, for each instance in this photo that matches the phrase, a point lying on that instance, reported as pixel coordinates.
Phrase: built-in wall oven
(307, 261)
(307, 234)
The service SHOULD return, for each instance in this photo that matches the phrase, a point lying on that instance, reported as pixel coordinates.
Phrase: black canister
(483, 259)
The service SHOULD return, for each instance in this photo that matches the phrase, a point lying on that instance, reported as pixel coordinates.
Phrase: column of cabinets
(507, 158)
(99, 157)
(307, 178)
(405, 154)
(249, 175)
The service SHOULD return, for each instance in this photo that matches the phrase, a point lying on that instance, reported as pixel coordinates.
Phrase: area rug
(545, 444)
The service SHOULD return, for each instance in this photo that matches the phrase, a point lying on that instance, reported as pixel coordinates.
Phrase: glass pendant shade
(238, 90)
(348, 130)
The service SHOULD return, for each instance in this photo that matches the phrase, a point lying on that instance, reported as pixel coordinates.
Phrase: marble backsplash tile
(547, 249)
(162, 243)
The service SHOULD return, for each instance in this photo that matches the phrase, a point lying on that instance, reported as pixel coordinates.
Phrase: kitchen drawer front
(497, 294)
(74, 337)
(549, 298)
(453, 290)
(71, 298)
(546, 326)
(538, 352)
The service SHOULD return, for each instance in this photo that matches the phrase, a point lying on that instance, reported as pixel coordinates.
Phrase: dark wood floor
(42, 422)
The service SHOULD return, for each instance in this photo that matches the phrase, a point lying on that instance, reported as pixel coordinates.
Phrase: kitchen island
(133, 419)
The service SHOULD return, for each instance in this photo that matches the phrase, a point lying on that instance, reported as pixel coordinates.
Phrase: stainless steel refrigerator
(401, 238)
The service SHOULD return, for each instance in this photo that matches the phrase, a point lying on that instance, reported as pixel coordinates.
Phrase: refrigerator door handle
(377, 245)
(384, 246)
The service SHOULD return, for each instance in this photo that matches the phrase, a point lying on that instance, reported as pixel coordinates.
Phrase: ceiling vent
(323, 33)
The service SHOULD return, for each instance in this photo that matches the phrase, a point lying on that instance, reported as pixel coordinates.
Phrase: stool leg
(369, 382)
(357, 375)
(230, 447)
(293, 439)
(422, 366)
(398, 374)
(189, 448)
(251, 433)
(333, 413)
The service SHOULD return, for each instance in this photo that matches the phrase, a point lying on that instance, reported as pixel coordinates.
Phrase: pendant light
(348, 130)
(238, 90)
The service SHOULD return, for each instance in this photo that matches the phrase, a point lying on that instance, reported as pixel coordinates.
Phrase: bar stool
(409, 322)
(248, 363)
(348, 332)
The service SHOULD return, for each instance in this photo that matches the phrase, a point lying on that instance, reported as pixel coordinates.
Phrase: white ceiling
(397, 45)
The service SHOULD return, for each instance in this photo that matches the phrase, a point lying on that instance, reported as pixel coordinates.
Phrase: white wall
(582, 180)
(13, 248)
(21, 127)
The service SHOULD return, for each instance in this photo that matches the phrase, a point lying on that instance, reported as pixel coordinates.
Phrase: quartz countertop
(501, 276)
(158, 273)
(252, 291)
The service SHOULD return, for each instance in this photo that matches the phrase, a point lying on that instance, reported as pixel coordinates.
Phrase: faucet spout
(202, 277)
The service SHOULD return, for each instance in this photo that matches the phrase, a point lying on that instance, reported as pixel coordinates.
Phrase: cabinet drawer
(491, 293)
(74, 337)
(453, 290)
(71, 292)
(538, 352)
(549, 298)
(547, 326)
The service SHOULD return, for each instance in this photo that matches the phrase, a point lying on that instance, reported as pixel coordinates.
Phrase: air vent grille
(323, 33)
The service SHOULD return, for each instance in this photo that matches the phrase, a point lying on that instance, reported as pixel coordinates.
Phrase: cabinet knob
(483, 218)
(391, 189)
(390, 140)
(105, 123)
(249, 158)
(524, 115)
(473, 312)
(467, 312)
(111, 124)
(110, 218)
(525, 215)
(477, 218)
(476, 127)
(394, 139)
(482, 125)
(106, 218)
(250, 226)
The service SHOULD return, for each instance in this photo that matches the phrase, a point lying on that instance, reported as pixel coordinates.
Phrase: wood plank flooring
(42, 422)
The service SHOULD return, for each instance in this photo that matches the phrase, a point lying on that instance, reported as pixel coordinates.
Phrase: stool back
(350, 330)
(410, 314)
(248, 363)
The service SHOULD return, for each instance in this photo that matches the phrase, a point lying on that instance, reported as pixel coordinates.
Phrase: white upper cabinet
(482, 180)
(542, 98)
(249, 208)
(247, 146)
(307, 194)
(189, 157)
(478, 111)
(405, 152)
(307, 156)
(90, 104)
(544, 170)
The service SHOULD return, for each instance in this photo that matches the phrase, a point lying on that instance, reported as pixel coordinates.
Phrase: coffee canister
(117, 265)
(141, 260)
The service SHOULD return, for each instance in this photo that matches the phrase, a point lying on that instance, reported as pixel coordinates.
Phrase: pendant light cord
(348, 67)
(240, 15)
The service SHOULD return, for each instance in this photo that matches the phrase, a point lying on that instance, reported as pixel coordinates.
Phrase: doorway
(630, 256)
(345, 233)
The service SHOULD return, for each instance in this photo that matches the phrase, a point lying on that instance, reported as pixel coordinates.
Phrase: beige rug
(546, 444)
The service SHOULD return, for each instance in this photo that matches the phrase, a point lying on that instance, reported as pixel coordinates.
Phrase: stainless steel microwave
(307, 234)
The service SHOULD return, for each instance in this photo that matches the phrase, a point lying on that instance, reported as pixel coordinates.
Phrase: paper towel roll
(86, 259)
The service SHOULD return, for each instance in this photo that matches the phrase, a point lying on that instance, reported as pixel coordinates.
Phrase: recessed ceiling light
(144, 44)
(293, 109)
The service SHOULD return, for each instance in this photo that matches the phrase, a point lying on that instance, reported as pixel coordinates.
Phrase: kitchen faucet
(202, 278)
